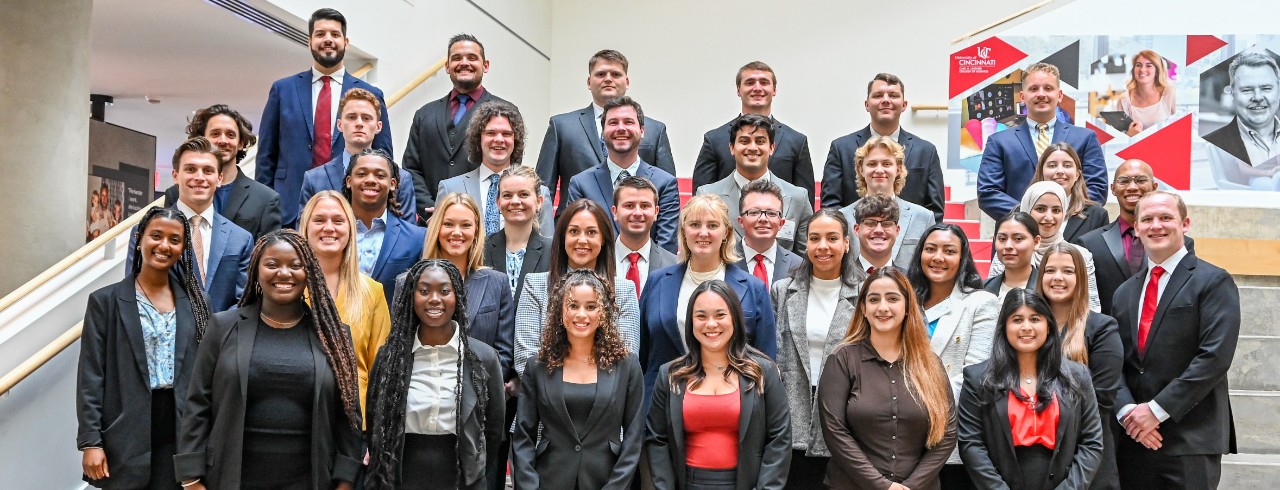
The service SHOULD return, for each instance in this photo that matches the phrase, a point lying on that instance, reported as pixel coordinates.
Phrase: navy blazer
(572, 145)
(286, 134)
(1009, 161)
(924, 172)
(660, 337)
(230, 250)
(250, 205)
(491, 312)
(401, 248)
(330, 176)
(595, 184)
(790, 161)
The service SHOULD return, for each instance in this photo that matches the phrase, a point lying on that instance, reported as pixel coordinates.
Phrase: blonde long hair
(1073, 327)
(355, 294)
(710, 206)
(431, 247)
(1163, 82)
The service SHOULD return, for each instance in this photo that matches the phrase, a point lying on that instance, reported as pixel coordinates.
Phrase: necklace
(279, 324)
(586, 360)
(148, 297)
(1027, 380)
(717, 366)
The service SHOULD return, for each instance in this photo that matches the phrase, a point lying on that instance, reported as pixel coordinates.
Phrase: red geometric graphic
(1199, 46)
(1103, 136)
(1168, 151)
(974, 64)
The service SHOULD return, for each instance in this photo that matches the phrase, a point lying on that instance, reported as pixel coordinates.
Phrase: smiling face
(197, 178)
(885, 103)
(328, 231)
(328, 44)
(607, 80)
(826, 247)
(751, 150)
(281, 274)
(636, 210)
(885, 306)
(1047, 211)
(1145, 71)
(457, 233)
(1133, 179)
(704, 234)
(370, 182)
(1040, 94)
(1058, 279)
(1026, 329)
(434, 301)
(497, 141)
(359, 123)
(1061, 168)
(757, 91)
(712, 322)
(622, 130)
(761, 227)
(879, 170)
(466, 65)
(940, 257)
(1161, 226)
(582, 312)
(161, 243)
(876, 235)
(224, 133)
(1254, 93)
(518, 200)
(582, 240)
(1015, 244)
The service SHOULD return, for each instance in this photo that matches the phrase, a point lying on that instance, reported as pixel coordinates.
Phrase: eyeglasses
(756, 213)
(1124, 181)
(872, 223)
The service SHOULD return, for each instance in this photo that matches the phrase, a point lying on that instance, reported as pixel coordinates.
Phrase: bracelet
(192, 482)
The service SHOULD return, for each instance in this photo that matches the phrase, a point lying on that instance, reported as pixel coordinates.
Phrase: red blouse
(1031, 428)
(711, 430)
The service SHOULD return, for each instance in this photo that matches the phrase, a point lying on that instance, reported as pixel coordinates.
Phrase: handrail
(431, 72)
(997, 23)
(363, 70)
(41, 357)
(928, 107)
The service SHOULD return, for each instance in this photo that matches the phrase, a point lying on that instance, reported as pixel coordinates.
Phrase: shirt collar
(869, 352)
(485, 173)
(769, 253)
(624, 250)
(1124, 225)
(1275, 129)
(1169, 263)
(337, 76)
(897, 133)
(207, 215)
(1033, 123)
(454, 342)
(742, 181)
(360, 228)
(865, 262)
(475, 95)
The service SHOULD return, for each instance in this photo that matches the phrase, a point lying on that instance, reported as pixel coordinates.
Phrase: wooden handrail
(997, 23)
(928, 107)
(431, 72)
(41, 357)
(363, 70)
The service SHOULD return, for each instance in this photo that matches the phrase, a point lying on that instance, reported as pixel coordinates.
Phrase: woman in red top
(719, 417)
(1028, 417)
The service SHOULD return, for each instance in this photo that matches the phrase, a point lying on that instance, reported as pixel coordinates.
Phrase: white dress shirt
(743, 181)
(431, 406)
(624, 263)
(769, 256)
(598, 111)
(864, 263)
(1169, 265)
(335, 91)
(206, 229)
(893, 136)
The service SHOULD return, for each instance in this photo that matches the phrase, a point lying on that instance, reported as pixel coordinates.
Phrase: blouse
(1031, 428)
(432, 407)
(824, 295)
(515, 263)
(711, 430)
(158, 330)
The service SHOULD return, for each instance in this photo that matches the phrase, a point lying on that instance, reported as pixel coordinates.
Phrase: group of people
(621, 339)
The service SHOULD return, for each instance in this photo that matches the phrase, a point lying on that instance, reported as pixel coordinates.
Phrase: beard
(328, 61)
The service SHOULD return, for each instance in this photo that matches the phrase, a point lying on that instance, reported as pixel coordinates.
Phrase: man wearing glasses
(876, 225)
(879, 169)
(760, 221)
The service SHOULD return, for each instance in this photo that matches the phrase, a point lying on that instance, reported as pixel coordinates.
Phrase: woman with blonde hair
(520, 247)
(1060, 163)
(1149, 96)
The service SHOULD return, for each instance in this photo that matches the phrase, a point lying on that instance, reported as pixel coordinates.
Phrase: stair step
(1257, 427)
(953, 210)
(984, 266)
(685, 185)
(1250, 470)
(1258, 311)
(972, 227)
(980, 249)
(1256, 366)
(946, 193)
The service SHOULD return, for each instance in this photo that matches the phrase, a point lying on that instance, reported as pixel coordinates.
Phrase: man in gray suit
(436, 149)
(495, 141)
(752, 146)
(574, 143)
(635, 208)
(761, 219)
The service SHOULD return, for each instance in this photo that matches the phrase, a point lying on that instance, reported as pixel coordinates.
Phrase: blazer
(913, 220)
(796, 209)
(1095, 216)
(784, 263)
(993, 283)
(1190, 345)
(287, 133)
(1228, 139)
(660, 336)
(227, 269)
(537, 256)
(331, 176)
(596, 185)
(790, 160)
(531, 317)
(402, 243)
(437, 149)
(548, 452)
(924, 185)
(986, 438)
(211, 436)
(791, 304)
(1106, 364)
(250, 205)
(572, 145)
(113, 394)
(469, 184)
(490, 312)
(1110, 268)
(764, 433)
(966, 327)
(1009, 161)
(660, 258)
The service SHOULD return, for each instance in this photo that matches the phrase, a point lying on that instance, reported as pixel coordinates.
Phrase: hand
(94, 461)
(1154, 441)
(365, 461)
(512, 388)
(195, 486)
(898, 486)
(1134, 128)
(1140, 421)
(343, 485)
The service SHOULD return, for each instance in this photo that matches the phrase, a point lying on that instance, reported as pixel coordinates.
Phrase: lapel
(797, 305)
(554, 396)
(1066, 416)
(1072, 226)
(389, 238)
(905, 216)
(1181, 274)
(675, 416)
(1115, 244)
(532, 253)
(443, 119)
(606, 379)
(587, 118)
(495, 252)
(949, 312)
(1022, 133)
(334, 172)
(782, 262)
(237, 196)
(841, 319)
(302, 87)
(471, 182)
(604, 187)
(670, 296)
(480, 291)
(1005, 431)
(905, 139)
(747, 403)
(184, 331)
(1060, 130)
(246, 333)
(456, 142)
(217, 244)
(129, 310)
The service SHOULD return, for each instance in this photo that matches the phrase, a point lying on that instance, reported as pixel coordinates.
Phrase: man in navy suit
(386, 244)
(635, 209)
(298, 123)
(886, 100)
(359, 121)
(575, 140)
(1009, 158)
(623, 123)
(757, 85)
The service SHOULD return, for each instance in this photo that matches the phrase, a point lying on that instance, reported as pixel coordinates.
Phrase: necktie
(871, 270)
(322, 147)
(1042, 138)
(621, 175)
(462, 108)
(633, 272)
(491, 222)
(1149, 300)
(604, 150)
(1135, 254)
(760, 271)
(197, 242)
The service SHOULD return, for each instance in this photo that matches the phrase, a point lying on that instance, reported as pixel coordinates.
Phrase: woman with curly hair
(584, 391)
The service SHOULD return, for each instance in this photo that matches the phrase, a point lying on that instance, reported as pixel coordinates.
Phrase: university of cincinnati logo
(981, 61)
(983, 51)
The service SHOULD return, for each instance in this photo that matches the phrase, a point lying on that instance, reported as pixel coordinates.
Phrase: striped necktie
(1042, 138)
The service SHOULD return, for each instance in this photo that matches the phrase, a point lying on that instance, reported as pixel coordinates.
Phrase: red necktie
(760, 271)
(633, 272)
(322, 147)
(1149, 300)
(871, 270)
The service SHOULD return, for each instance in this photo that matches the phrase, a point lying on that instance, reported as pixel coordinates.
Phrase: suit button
(1142, 371)
(577, 448)
(450, 162)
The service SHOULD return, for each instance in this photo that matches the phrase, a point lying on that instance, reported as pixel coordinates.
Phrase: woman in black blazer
(1060, 163)
(136, 353)
(520, 246)
(691, 443)
(580, 421)
(274, 379)
(1017, 236)
(419, 436)
(1028, 417)
(1089, 338)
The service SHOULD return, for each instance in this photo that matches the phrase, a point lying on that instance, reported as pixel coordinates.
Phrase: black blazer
(924, 172)
(764, 433)
(211, 435)
(986, 439)
(1106, 364)
(437, 149)
(790, 161)
(537, 257)
(113, 394)
(250, 205)
(1109, 267)
(547, 450)
(1190, 345)
(992, 284)
(1095, 216)
(1228, 139)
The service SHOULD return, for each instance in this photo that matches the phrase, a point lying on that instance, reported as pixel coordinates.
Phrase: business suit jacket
(548, 452)
(791, 304)
(531, 317)
(924, 185)
(1228, 139)
(595, 184)
(1110, 268)
(986, 438)
(993, 283)
(796, 208)
(660, 336)
(572, 145)
(469, 184)
(1009, 161)
(537, 256)
(287, 133)
(1190, 345)
(492, 313)
(784, 263)
(227, 269)
(250, 205)
(764, 433)
(1095, 216)
(966, 328)
(402, 243)
(331, 176)
(1106, 364)
(211, 438)
(437, 149)
(913, 221)
(660, 258)
(113, 394)
(790, 160)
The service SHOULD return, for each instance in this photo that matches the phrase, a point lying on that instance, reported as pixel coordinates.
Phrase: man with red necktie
(761, 219)
(635, 208)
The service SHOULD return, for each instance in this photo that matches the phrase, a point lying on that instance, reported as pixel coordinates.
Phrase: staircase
(1255, 388)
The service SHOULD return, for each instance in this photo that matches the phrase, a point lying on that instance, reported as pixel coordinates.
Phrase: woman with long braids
(136, 356)
(435, 394)
(584, 391)
(719, 417)
(274, 401)
(1028, 416)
